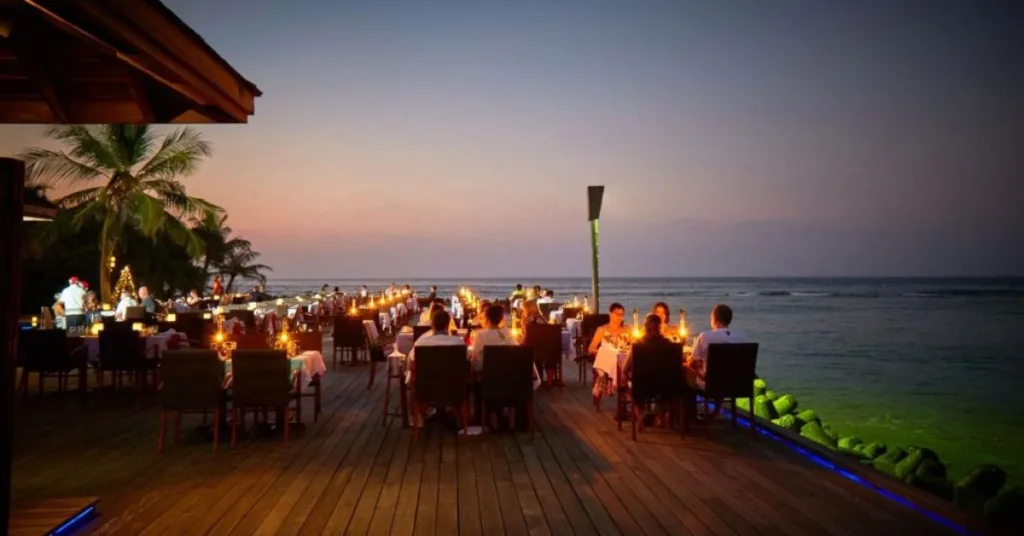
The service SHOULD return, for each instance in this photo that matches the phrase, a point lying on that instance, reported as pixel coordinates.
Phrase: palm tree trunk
(105, 272)
(231, 281)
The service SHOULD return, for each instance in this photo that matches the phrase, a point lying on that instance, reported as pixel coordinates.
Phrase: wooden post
(12, 184)
(595, 194)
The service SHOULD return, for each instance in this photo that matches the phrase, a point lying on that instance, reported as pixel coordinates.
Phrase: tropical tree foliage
(128, 181)
(240, 262)
(214, 233)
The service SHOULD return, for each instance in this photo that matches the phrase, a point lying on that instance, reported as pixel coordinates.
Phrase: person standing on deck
(218, 287)
(73, 298)
(696, 365)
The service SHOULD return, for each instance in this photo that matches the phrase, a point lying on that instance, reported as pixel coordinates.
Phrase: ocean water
(924, 362)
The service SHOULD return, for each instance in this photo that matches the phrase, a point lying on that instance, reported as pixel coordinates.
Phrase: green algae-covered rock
(873, 449)
(806, 416)
(886, 463)
(759, 387)
(1006, 510)
(771, 395)
(743, 404)
(931, 468)
(940, 487)
(832, 435)
(788, 422)
(814, 432)
(850, 442)
(985, 479)
(914, 457)
(764, 408)
(854, 452)
(785, 405)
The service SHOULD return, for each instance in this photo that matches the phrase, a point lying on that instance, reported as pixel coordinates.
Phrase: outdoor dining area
(406, 437)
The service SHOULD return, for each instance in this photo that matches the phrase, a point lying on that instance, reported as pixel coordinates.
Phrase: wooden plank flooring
(349, 474)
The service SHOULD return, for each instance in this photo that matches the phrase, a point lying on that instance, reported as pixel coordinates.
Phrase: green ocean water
(910, 362)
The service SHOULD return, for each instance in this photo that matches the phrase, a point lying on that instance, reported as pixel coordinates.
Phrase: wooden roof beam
(40, 61)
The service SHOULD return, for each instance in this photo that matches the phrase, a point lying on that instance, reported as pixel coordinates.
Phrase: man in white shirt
(123, 305)
(426, 317)
(437, 336)
(721, 318)
(73, 298)
(492, 335)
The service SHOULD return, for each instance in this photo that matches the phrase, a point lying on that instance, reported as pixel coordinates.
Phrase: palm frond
(53, 168)
(185, 206)
(87, 145)
(148, 212)
(179, 154)
(131, 142)
(74, 199)
(181, 234)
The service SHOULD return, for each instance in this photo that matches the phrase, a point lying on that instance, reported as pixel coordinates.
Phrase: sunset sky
(429, 138)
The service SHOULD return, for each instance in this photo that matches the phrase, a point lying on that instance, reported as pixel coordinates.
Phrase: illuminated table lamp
(171, 317)
(207, 316)
(97, 328)
(280, 301)
(636, 323)
(35, 321)
(138, 326)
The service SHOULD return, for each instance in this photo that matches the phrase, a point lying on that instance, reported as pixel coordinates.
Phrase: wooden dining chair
(260, 380)
(250, 341)
(419, 331)
(546, 341)
(508, 380)
(588, 326)
(48, 353)
(656, 376)
(192, 382)
(349, 337)
(442, 373)
(729, 374)
(123, 352)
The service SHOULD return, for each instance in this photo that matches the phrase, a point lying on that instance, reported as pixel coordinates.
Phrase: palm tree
(131, 181)
(215, 235)
(238, 262)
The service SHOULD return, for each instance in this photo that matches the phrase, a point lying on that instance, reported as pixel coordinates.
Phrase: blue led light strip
(763, 430)
(68, 526)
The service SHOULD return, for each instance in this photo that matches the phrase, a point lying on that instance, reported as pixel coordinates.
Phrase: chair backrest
(441, 374)
(44, 350)
(245, 316)
(250, 341)
(192, 379)
(423, 303)
(570, 312)
(508, 373)
(121, 350)
(260, 378)
(658, 370)
(197, 330)
(591, 322)
(418, 331)
(109, 324)
(135, 312)
(546, 308)
(731, 369)
(349, 332)
(309, 341)
(546, 341)
(371, 314)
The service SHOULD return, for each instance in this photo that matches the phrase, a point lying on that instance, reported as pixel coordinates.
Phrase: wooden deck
(349, 474)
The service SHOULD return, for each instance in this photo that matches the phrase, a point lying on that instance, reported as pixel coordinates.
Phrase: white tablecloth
(607, 360)
(312, 365)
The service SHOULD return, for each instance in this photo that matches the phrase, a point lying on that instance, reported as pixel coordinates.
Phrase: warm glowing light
(284, 336)
(219, 310)
(682, 331)
(317, 297)
(35, 321)
(216, 297)
(171, 317)
(251, 306)
(219, 337)
(97, 328)
(106, 307)
(352, 311)
(137, 326)
(299, 299)
(280, 301)
(515, 332)
(207, 316)
(636, 333)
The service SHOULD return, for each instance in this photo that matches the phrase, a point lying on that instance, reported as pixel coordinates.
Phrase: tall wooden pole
(595, 194)
(12, 184)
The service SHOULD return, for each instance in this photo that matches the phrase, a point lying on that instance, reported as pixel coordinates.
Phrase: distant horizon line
(650, 277)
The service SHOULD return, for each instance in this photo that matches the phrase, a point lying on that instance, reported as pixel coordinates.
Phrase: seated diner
(492, 334)
(696, 365)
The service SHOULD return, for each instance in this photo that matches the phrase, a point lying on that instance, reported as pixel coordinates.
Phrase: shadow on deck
(349, 474)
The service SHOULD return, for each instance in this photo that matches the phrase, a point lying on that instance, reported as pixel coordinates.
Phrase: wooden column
(12, 183)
